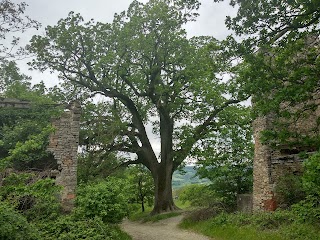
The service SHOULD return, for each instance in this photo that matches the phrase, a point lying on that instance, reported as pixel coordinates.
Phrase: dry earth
(163, 230)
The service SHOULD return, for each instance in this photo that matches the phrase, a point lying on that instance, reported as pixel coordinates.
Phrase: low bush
(300, 231)
(311, 176)
(202, 214)
(36, 198)
(14, 225)
(289, 190)
(197, 195)
(107, 200)
(71, 228)
(307, 210)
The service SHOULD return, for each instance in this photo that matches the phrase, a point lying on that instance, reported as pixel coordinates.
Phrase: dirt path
(163, 230)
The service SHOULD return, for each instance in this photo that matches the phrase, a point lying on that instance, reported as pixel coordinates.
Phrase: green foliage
(159, 217)
(272, 20)
(289, 190)
(220, 230)
(152, 74)
(10, 75)
(25, 132)
(72, 228)
(280, 63)
(301, 222)
(311, 175)
(36, 198)
(30, 154)
(268, 225)
(13, 225)
(106, 199)
(197, 195)
(283, 73)
(147, 217)
(13, 20)
(308, 210)
(142, 185)
(202, 214)
(185, 176)
(98, 128)
(227, 159)
(97, 164)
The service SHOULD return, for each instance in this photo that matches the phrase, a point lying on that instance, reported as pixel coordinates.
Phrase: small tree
(141, 179)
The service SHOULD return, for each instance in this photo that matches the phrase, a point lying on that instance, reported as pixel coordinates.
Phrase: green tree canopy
(270, 21)
(144, 64)
(280, 58)
(13, 21)
(25, 132)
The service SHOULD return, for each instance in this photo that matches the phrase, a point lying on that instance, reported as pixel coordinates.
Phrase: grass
(280, 225)
(146, 217)
(122, 235)
(182, 205)
(229, 232)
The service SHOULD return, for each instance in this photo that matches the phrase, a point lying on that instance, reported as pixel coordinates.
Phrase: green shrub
(108, 200)
(13, 225)
(72, 228)
(298, 231)
(307, 210)
(271, 220)
(311, 175)
(202, 214)
(197, 195)
(289, 190)
(36, 199)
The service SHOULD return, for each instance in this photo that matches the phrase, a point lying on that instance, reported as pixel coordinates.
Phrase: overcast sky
(210, 22)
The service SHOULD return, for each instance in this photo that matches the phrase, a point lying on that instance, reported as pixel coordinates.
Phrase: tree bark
(162, 174)
(142, 205)
(163, 201)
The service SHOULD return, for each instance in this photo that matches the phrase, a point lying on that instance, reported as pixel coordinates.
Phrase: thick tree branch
(199, 132)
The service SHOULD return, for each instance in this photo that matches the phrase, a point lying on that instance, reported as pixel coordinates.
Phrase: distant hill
(180, 179)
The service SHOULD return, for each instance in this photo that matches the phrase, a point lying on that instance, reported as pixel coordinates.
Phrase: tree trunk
(163, 201)
(162, 174)
(142, 205)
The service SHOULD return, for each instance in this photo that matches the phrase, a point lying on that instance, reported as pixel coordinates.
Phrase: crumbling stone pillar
(63, 144)
(263, 195)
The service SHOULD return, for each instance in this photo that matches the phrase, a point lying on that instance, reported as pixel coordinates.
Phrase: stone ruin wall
(271, 164)
(63, 144)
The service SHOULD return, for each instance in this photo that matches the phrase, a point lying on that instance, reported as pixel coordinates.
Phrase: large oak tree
(152, 75)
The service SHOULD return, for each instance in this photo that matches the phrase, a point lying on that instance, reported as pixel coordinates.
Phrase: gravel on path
(163, 230)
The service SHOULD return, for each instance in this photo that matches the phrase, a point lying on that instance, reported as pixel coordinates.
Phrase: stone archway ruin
(63, 144)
